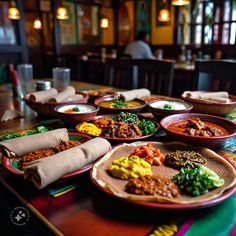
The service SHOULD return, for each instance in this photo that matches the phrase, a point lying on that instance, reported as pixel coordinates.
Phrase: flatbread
(213, 161)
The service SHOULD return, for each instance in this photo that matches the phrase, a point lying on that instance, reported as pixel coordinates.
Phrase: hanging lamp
(104, 22)
(62, 13)
(180, 2)
(13, 11)
(37, 23)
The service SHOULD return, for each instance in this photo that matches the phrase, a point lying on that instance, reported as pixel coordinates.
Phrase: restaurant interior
(118, 117)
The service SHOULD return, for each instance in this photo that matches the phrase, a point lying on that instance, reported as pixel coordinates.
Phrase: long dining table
(76, 207)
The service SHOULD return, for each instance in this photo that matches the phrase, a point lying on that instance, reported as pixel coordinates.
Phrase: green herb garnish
(167, 107)
(119, 104)
(126, 117)
(147, 127)
(197, 181)
(76, 109)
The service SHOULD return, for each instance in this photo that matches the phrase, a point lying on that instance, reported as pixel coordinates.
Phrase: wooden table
(86, 211)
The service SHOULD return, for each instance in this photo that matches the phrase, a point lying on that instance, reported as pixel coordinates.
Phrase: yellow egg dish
(128, 167)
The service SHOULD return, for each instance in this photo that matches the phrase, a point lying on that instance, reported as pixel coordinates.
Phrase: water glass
(61, 77)
(25, 74)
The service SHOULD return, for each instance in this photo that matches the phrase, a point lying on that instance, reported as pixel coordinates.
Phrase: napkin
(9, 115)
(135, 93)
(47, 170)
(69, 91)
(76, 97)
(23, 145)
(42, 96)
(212, 96)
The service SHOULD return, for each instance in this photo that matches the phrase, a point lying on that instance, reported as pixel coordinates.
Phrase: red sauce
(196, 127)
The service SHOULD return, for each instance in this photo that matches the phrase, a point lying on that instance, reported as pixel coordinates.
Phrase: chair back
(121, 73)
(156, 75)
(215, 75)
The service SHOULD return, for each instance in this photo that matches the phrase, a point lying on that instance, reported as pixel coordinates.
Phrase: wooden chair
(215, 75)
(121, 73)
(156, 75)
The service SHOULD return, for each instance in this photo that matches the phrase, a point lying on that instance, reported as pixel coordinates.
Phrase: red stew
(197, 127)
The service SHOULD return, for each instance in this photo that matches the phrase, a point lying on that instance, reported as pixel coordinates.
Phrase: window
(206, 22)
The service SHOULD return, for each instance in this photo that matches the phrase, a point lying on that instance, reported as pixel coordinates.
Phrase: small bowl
(210, 107)
(87, 112)
(47, 108)
(199, 140)
(159, 112)
(113, 97)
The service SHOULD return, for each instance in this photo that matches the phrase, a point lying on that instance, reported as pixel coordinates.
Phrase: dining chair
(156, 75)
(121, 73)
(215, 75)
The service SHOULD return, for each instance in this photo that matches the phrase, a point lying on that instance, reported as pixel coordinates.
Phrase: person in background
(139, 49)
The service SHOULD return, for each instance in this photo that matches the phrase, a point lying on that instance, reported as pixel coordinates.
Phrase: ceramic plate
(11, 164)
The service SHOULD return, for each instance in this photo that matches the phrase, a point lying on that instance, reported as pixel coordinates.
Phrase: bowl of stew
(199, 129)
(76, 112)
(162, 108)
(111, 104)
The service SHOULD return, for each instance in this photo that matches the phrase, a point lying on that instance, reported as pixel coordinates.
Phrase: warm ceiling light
(180, 2)
(62, 13)
(164, 15)
(104, 23)
(13, 12)
(37, 23)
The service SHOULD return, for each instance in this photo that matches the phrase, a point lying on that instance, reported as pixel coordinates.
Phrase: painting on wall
(7, 31)
(143, 16)
(68, 28)
(160, 5)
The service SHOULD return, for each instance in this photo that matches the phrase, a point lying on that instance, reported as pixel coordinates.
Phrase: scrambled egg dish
(128, 167)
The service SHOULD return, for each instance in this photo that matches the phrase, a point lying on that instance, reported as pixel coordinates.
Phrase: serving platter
(115, 187)
(11, 164)
(123, 139)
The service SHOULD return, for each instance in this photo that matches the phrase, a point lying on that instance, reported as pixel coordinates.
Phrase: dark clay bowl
(199, 140)
(90, 111)
(113, 97)
(47, 108)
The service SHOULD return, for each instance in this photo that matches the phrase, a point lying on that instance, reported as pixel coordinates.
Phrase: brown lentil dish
(42, 153)
(185, 159)
(153, 185)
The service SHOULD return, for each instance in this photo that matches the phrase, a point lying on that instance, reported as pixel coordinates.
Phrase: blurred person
(140, 49)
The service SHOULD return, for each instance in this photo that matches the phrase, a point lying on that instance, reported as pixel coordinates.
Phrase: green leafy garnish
(197, 181)
(76, 109)
(147, 127)
(126, 117)
(119, 104)
(167, 107)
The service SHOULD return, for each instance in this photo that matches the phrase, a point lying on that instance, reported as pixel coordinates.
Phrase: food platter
(124, 139)
(11, 164)
(115, 188)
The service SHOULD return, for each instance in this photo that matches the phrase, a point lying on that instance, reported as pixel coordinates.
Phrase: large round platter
(125, 139)
(11, 164)
(203, 141)
(115, 187)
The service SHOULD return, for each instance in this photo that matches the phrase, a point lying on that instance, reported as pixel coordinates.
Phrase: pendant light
(13, 12)
(180, 2)
(104, 22)
(164, 15)
(37, 23)
(62, 13)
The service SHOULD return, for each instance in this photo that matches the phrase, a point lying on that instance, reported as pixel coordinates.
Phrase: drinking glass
(61, 77)
(25, 74)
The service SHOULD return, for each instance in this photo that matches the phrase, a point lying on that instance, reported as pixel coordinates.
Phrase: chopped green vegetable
(197, 181)
(76, 109)
(147, 127)
(39, 129)
(119, 104)
(167, 106)
(127, 117)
